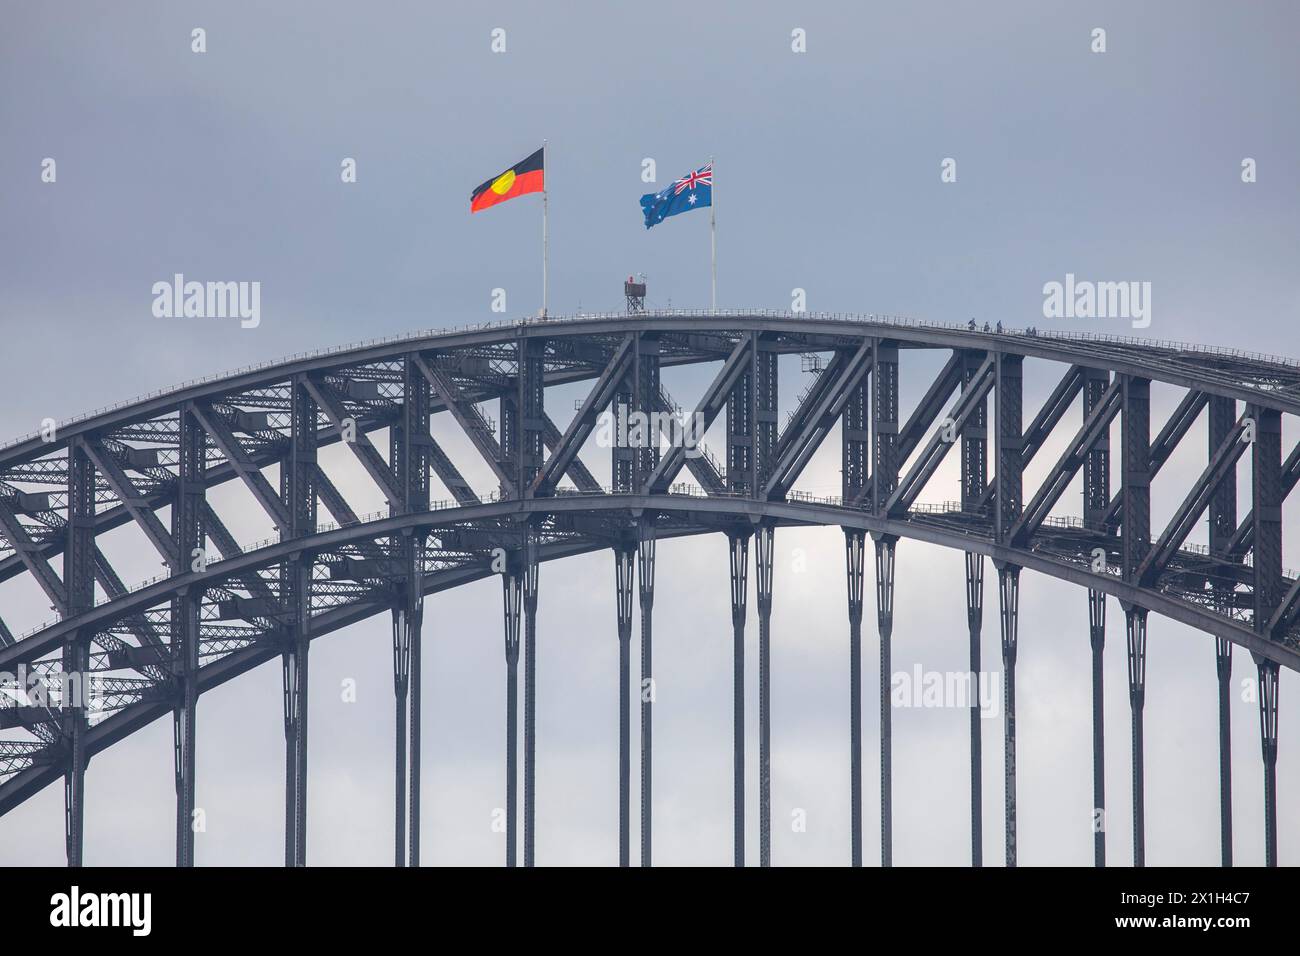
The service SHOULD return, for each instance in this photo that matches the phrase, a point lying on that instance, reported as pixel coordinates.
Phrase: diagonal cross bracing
(450, 475)
(929, 408)
(700, 466)
(216, 529)
(136, 504)
(1053, 410)
(1287, 611)
(1068, 465)
(711, 403)
(815, 418)
(1244, 537)
(914, 481)
(1175, 428)
(30, 554)
(334, 501)
(470, 420)
(251, 475)
(362, 448)
(564, 452)
(578, 472)
(1198, 499)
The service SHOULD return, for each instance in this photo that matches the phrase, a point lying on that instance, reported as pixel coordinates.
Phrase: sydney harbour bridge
(224, 606)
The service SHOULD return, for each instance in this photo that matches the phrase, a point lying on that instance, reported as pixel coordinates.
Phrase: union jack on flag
(703, 176)
(692, 191)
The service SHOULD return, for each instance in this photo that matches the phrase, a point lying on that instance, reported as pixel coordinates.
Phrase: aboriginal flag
(528, 176)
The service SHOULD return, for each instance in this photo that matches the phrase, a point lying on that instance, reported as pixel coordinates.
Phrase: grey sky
(225, 166)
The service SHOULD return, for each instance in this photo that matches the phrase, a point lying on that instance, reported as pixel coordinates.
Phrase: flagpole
(713, 233)
(545, 257)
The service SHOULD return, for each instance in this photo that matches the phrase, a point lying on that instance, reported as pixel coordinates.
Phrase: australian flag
(694, 191)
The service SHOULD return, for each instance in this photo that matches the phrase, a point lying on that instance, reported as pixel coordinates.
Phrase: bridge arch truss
(117, 658)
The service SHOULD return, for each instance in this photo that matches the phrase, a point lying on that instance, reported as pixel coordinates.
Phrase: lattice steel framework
(117, 658)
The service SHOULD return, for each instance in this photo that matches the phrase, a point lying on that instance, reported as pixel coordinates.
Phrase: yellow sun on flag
(504, 182)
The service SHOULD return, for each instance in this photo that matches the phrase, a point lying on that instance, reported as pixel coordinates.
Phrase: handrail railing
(858, 318)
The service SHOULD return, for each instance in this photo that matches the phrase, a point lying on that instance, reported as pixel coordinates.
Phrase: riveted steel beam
(763, 542)
(623, 558)
(811, 424)
(523, 413)
(578, 472)
(188, 538)
(1222, 463)
(645, 567)
(298, 502)
(855, 560)
(886, 549)
(230, 446)
(580, 429)
(1009, 619)
(1096, 500)
(1177, 425)
(32, 558)
(711, 403)
(79, 580)
(855, 441)
(361, 447)
(470, 420)
(1268, 695)
(913, 483)
(927, 411)
(738, 554)
(1049, 415)
(886, 456)
(974, 474)
(135, 503)
(512, 594)
(1244, 537)
(531, 569)
(1135, 497)
(1095, 426)
(1008, 445)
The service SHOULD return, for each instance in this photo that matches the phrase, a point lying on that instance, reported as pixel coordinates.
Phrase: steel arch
(121, 466)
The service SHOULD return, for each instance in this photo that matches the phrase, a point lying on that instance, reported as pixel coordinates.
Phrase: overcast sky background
(226, 166)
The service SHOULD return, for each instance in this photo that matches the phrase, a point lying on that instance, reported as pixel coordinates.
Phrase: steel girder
(905, 440)
(471, 420)
(645, 570)
(810, 423)
(243, 565)
(854, 561)
(1180, 372)
(623, 580)
(738, 566)
(751, 418)
(974, 474)
(136, 715)
(974, 393)
(1096, 499)
(598, 400)
(79, 586)
(123, 466)
(710, 404)
(188, 545)
(298, 510)
(412, 452)
(855, 441)
(1008, 445)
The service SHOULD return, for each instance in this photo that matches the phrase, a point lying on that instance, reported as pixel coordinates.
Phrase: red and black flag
(527, 176)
